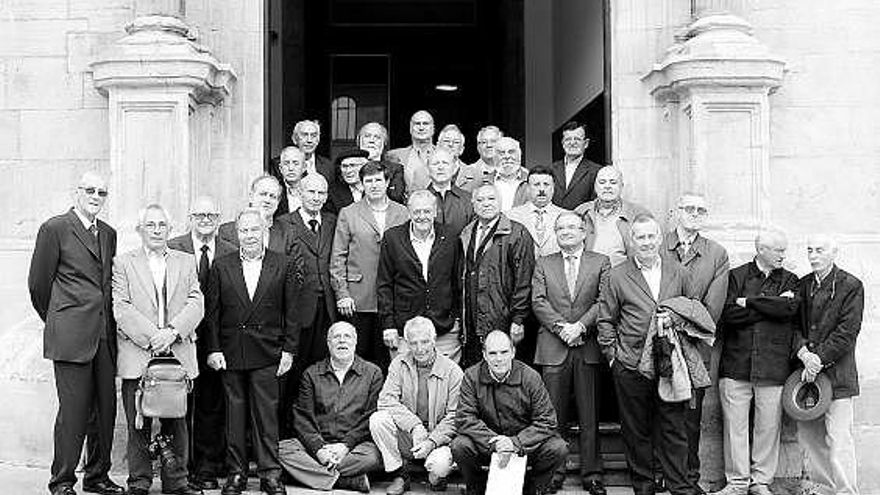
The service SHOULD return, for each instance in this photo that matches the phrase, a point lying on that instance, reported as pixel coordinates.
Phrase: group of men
(332, 332)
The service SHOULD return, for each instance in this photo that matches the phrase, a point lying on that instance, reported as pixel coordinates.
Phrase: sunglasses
(92, 190)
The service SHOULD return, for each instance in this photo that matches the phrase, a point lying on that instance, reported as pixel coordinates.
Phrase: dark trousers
(577, 377)
(86, 412)
(370, 345)
(252, 397)
(644, 418)
(693, 419)
(544, 461)
(206, 416)
(140, 464)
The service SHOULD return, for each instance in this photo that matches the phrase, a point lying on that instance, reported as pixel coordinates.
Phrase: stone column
(162, 86)
(714, 83)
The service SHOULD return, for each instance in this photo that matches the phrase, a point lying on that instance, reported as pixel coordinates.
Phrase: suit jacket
(628, 212)
(581, 188)
(279, 236)
(70, 287)
(627, 308)
(553, 304)
(324, 166)
(315, 251)
(414, 169)
(339, 194)
(136, 308)
(708, 266)
(401, 290)
(252, 333)
(355, 259)
(525, 214)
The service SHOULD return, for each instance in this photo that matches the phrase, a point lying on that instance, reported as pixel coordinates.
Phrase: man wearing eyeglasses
(70, 286)
(707, 264)
(207, 410)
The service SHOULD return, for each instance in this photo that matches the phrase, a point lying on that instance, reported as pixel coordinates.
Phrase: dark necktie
(204, 265)
(314, 225)
(93, 229)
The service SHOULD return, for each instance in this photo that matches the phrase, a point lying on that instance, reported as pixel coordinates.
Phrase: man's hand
(390, 337)
(421, 449)
(570, 333)
(516, 333)
(325, 457)
(338, 450)
(789, 294)
(346, 306)
(161, 340)
(285, 363)
(741, 302)
(217, 361)
(502, 443)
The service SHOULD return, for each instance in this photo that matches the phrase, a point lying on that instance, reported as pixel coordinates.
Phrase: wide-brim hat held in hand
(805, 401)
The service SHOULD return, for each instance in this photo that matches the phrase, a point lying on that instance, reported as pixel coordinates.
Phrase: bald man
(830, 321)
(414, 157)
(758, 319)
(207, 412)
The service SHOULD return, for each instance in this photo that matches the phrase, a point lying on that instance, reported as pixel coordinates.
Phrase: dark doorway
(462, 60)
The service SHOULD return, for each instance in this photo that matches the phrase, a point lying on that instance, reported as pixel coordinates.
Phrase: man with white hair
(482, 171)
(306, 136)
(71, 270)
(207, 411)
(454, 209)
(416, 413)
(158, 305)
(453, 139)
(756, 352)
(414, 157)
(830, 320)
(707, 264)
(510, 181)
(265, 194)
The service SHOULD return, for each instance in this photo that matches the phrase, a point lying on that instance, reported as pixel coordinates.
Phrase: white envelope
(507, 480)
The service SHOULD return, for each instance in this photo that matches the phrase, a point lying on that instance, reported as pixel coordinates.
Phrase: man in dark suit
(206, 413)
(264, 195)
(574, 175)
(566, 289)
(70, 288)
(346, 187)
(307, 136)
(419, 275)
(291, 168)
(626, 312)
(253, 334)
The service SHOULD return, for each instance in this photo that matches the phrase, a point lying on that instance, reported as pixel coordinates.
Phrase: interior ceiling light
(446, 87)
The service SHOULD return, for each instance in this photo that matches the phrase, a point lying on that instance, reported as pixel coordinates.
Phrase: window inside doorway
(343, 116)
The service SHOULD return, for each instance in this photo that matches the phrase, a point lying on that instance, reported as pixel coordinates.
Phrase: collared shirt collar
(643, 267)
(572, 161)
(326, 366)
(428, 240)
(306, 216)
(681, 240)
(441, 192)
(153, 254)
(577, 254)
(766, 270)
(245, 259)
(85, 221)
(819, 281)
(197, 243)
(616, 208)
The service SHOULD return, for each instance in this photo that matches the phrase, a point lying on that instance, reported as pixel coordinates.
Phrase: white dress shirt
(422, 249)
(197, 248)
(356, 193)
(251, 269)
(158, 264)
(507, 192)
(570, 168)
(652, 276)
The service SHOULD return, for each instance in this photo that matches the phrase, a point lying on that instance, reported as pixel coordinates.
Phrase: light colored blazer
(137, 312)
(399, 396)
(525, 214)
(415, 170)
(354, 261)
(553, 304)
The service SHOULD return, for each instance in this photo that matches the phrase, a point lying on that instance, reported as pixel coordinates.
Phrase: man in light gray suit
(414, 157)
(566, 288)
(158, 305)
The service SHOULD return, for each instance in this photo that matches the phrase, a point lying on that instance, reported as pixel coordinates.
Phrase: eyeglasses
(205, 216)
(690, 210)
(155, 225)
(92, 190)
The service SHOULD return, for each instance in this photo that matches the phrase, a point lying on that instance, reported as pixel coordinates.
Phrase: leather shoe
(184, 490)
(398, 486)
(595, 487)
(204, 483)
(359, 483)
(271, 486)
(104, 487)
(64, 490)
(235, 484)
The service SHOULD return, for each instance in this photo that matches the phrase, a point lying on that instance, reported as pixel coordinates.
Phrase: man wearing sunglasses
(708, 266)
(207, 411)
(70, 287)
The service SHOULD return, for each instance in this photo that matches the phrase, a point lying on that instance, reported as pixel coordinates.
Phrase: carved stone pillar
(715, 81)
(162, 85)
